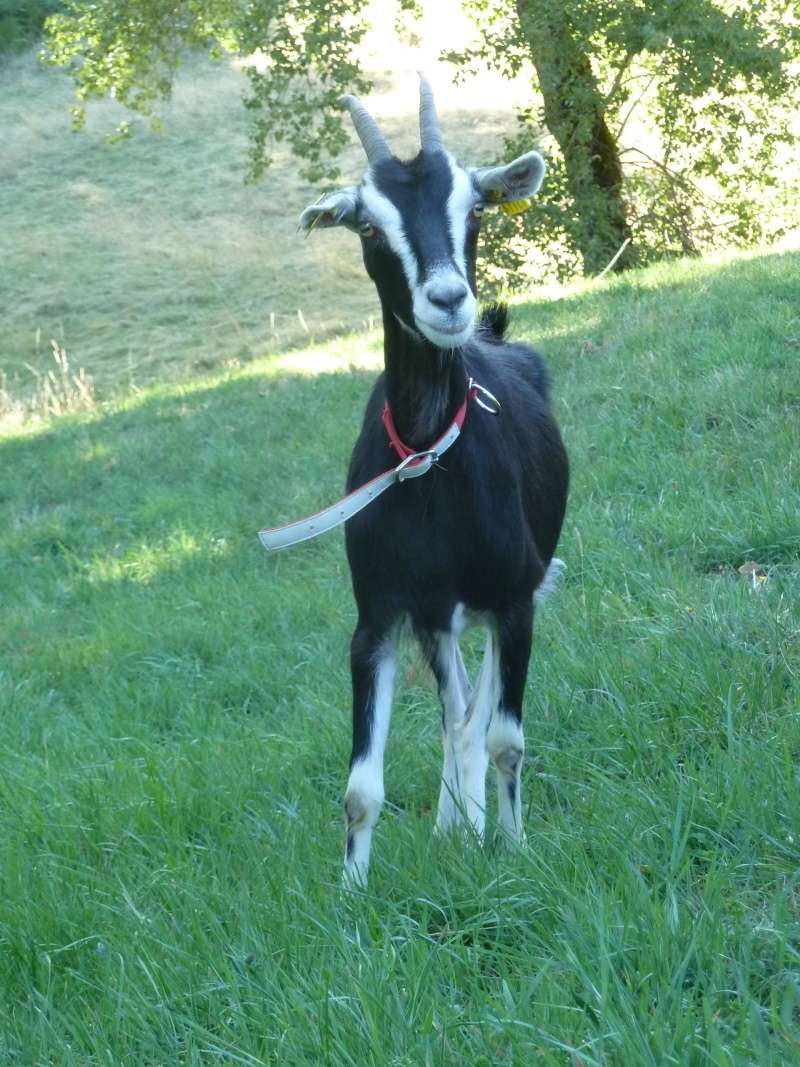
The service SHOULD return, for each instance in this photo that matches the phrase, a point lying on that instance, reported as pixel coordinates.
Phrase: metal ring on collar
(477, 391)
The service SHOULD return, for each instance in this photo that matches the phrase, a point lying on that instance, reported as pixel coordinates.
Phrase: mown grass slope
(175, 723)
(151, 259)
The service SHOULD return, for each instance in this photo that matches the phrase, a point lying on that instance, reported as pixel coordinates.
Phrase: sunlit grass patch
(143, 562)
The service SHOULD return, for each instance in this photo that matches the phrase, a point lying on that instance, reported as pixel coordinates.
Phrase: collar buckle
(416, 464)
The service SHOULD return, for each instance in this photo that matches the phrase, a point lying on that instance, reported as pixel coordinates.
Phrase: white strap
(413, 466)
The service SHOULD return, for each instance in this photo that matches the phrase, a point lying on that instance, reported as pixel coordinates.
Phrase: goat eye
(366, 229)
(478, 210)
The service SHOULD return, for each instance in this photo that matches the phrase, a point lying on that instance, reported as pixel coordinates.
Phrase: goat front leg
(506, 740)
(444, 657)
(372, 662)
(469, 741)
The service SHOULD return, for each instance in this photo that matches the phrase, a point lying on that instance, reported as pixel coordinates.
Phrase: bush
(22, 21)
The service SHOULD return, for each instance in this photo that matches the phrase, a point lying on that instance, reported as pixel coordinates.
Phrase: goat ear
(514, 181)
(333, 209)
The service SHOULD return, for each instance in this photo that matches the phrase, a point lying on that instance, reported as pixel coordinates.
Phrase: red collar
(400, 447)
(473, 390)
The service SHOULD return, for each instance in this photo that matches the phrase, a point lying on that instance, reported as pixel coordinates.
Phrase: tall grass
(175, 716)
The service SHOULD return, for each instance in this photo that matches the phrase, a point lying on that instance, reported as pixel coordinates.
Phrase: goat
(472, 541)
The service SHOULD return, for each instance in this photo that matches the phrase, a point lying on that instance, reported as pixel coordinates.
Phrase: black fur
(494, 322)
(483, 523)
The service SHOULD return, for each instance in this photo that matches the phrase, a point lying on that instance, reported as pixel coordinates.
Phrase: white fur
(364, 796)
(459, 621)
(441, 327)
(455, 698)
(551, 581)
(469, 739)
(330, 209)
(461, 201)
(516, 180)
(384, 214)
(436, 325)
(506, 743)
(476, 729)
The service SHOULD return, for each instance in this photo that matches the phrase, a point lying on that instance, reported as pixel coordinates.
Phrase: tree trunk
(574, 114)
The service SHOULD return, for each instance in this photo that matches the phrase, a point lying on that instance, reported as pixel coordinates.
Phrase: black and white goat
(473, 540)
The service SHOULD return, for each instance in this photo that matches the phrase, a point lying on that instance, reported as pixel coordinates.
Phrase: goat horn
(367, 129)
(430, 135)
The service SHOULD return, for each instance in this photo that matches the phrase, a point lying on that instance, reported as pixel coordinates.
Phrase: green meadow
(175, 722)
(174, 703)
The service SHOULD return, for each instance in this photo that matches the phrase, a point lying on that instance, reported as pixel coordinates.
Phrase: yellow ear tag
(515, 207)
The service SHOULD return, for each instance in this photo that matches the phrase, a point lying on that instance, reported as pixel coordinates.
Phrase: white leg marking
(455, 698)
(469, 741)
(507, 746)
(364, 797)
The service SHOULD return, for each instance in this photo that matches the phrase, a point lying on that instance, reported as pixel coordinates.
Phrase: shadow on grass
(131, 571)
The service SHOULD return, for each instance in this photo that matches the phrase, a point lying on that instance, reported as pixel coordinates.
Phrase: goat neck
(425, 385)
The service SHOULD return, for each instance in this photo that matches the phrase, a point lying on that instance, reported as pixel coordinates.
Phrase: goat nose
(447, 295)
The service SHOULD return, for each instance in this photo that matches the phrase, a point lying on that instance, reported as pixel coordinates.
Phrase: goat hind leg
(506, 740)
(443, 654)
(469, 740)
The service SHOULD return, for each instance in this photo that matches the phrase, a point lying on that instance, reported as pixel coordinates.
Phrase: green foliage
(22, 21)
(295, 98)
(670, 123)
(132, 50)
(700, 99)
(174, 724)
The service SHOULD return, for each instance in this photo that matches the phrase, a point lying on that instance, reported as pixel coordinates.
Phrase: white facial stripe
(385, 215)
(460, 202)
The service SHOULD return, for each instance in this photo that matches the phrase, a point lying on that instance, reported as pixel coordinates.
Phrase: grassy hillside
(175, 719)
(151, 258)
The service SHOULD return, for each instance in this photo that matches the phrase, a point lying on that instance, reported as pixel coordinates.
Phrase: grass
(174, 723)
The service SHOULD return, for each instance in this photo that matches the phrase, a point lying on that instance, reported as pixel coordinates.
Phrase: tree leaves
(700, 97)
(670, 119)
(305, 50)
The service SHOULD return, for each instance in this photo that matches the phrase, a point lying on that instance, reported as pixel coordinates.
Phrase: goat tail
(551, 581)
(494, 321)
